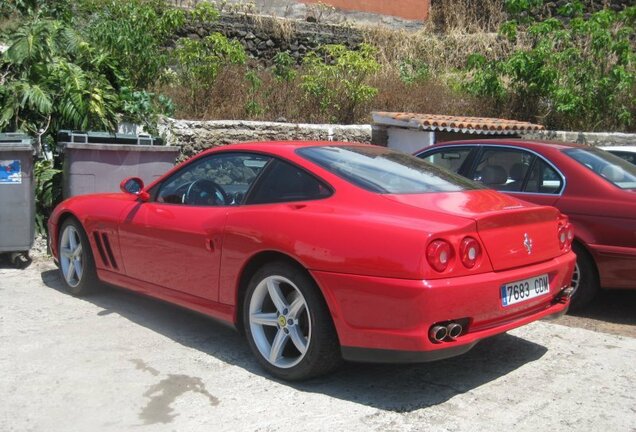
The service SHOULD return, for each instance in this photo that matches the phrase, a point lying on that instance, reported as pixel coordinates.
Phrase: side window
(543, 179)
(451, 159)
(285, 182)
(629, 157)
(216, 180)
(503, 168)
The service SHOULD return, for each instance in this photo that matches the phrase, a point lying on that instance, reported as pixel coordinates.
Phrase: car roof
(560, 145)
(631, 149)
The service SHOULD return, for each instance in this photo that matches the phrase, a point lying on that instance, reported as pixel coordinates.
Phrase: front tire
(77, 265)
(288, 325)
(584, 280)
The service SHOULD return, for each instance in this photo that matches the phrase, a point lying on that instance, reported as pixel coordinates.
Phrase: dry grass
(442, 52)
(467, 16)
(460, 28)
(280, 100)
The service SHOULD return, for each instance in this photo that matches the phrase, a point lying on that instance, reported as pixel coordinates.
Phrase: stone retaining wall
(589, 138)
(195, 136)
(264, 36)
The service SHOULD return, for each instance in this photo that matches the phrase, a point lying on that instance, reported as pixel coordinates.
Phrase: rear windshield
(606, 165)
(381, 170)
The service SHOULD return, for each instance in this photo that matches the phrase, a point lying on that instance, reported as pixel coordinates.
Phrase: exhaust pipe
(454, 330)
(438, 333)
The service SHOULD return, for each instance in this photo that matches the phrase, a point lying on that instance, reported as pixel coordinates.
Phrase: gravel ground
(117, 362)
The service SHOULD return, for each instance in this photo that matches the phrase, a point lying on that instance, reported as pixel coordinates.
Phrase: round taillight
(470, 252)
(439, 254)
(566, 236)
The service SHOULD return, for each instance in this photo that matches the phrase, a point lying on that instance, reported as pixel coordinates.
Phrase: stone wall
(263, 36)
(195, 136)
(589, 138)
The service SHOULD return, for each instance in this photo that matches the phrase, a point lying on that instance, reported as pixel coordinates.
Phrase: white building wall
(409, 140)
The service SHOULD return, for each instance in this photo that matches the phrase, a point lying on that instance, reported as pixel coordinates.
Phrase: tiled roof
(433, 122)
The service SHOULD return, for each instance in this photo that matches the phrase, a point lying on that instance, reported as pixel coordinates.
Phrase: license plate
(519, 291)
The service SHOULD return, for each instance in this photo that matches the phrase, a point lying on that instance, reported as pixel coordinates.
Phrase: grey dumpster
(98, 162)
(17, 197)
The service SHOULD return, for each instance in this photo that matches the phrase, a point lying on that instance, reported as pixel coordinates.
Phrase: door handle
(209, 244)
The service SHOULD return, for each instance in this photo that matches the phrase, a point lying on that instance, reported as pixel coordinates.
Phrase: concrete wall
(408, 9)
(388, 13)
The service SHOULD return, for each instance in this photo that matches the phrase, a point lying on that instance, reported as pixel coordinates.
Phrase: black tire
(84, 281)
(21, 260)
(314, 324)
(588, 282)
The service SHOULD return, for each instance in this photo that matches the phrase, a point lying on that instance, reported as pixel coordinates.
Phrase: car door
(174, 240)
(518, 172)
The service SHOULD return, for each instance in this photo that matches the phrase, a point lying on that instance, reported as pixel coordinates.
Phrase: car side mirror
(134, 186)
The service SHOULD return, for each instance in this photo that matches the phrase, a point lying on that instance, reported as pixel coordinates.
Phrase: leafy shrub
(580, 76)
(198, 63)
(135, 34)
(252, 107)
(54, 79)
(336, 79)
(48, 192)
(414, 71)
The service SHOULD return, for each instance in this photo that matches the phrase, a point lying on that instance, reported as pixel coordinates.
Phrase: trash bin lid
(96, 137)
(12, 141)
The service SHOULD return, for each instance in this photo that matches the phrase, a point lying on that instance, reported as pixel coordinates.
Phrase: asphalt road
(117, 361)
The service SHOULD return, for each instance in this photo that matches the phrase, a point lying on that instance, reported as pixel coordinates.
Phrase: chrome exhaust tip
(454, 330)
(565, 294)
(438, 333)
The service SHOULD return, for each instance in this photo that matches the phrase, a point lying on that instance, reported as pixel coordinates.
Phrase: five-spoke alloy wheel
(76, 260)
(287, 323)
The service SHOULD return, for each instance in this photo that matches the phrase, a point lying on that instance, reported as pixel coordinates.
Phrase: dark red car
(324, 251)
(596, 189)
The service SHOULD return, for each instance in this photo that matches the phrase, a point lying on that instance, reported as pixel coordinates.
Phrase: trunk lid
(514, 233)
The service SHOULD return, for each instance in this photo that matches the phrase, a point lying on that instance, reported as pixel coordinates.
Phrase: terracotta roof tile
(434, 122)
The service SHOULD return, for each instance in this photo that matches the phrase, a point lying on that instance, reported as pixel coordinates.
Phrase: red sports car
(596, 189)
(324, 251)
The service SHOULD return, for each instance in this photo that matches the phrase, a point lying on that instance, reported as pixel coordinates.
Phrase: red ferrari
(596, 189)
(320, 252)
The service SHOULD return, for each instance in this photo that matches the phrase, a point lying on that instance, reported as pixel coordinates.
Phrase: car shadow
(614, 306)
(398, 388)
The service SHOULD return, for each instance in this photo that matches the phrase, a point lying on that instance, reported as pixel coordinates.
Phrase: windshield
(381, 170)
(606, 165)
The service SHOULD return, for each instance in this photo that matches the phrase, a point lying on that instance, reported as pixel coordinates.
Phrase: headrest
(493, 175)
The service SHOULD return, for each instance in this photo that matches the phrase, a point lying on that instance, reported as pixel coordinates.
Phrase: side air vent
(100, 249)
(109, 250)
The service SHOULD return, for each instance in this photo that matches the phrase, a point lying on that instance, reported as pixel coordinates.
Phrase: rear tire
(77, 265)
(288, 325)
(585, 279)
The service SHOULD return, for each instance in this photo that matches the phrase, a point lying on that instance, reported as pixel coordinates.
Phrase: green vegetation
(582, 74)
(93, 64)
(48, 192)
(199, 63)
(336, 78)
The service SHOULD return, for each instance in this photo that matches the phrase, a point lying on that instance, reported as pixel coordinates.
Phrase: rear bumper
(388, 320)
(374, 355)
